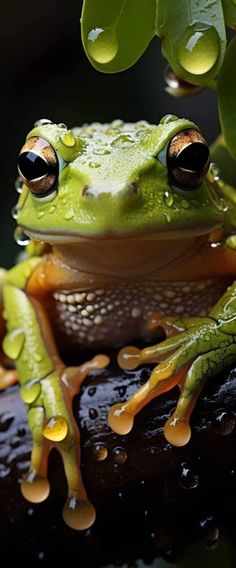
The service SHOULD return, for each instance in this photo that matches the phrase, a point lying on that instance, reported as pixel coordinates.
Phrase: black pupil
(32, 166)
(194, 157)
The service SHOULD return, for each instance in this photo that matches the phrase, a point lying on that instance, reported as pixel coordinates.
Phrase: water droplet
(94, 165)
(224, 422)
(177, 87)
(121, 390)
(55, 429)
(68, 139)
(69, 214)
(41, 214)
(188, 478)
(13, 343)
(168, 198)
(168, 118)
(15, 211)
(91, 391)
(21, 432)
(185, 204)
(6, 420)
(100, 452)
(18, 184)
(35, 488)
(119, 455)
(231, 242)
(167, 217)
(101, 151)
(37, 357)
(20, 237)
(199, 49)
(41, 555)
(122, 141)
(52, 209)
(62, 125)
(30, 391)
(93, 413)
(42, 122)
(102, 45)
(78, 515)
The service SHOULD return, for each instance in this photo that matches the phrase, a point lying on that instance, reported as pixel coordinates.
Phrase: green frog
(131, 230)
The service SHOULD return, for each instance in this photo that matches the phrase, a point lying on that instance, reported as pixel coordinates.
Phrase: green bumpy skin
(113, 186)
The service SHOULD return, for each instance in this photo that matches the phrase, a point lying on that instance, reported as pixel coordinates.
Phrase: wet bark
(151, 498)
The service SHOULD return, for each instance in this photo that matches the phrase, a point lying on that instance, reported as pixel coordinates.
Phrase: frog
(129, 230)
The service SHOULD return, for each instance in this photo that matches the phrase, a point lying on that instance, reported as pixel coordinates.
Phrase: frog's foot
(52, 424)
(8, 377)
(187, 360)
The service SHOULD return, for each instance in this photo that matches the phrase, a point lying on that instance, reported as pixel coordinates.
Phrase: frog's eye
(38, 166)
(188, 158)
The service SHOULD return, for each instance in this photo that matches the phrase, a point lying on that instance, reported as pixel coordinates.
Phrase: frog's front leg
(205, 347)
(47, 388)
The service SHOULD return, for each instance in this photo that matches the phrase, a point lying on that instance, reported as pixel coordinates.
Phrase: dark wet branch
(151, 498)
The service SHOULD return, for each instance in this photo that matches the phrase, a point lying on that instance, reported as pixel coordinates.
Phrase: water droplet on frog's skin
(41, 214)
(93, 413)
(20, 237)
(94, 165)
(168, 118)
(18, 184)
(100, 451)
(15, 211)
(13, 343)
(69, 214)
(101, 151)
(119, 455)
(62, 125)
(102, 45)
(68, 139)
(6, 420)
(168, 198)
(43, 122)
(121, 390)
(30, 391)
(55, 429)
(52, 209)
(122, 141)
(188, 478)
(224, 422)
(35, 488)
(199, 49)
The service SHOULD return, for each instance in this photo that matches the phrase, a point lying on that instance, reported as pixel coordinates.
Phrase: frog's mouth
(66, 237)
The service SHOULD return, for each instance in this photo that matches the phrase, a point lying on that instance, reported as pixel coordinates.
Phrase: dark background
(45, 73)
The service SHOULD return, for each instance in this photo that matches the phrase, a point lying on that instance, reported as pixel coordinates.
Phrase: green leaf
(229, 7)
(193, 37)
(115, 33)
(226, 98)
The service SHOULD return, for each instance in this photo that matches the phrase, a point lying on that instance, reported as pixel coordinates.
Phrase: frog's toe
(35, 488)
(78, 514)
(177, 432)
(120, 420)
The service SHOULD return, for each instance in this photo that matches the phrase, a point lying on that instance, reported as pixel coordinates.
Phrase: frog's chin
(60, 238)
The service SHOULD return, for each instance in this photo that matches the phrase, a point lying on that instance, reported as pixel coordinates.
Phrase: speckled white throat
(118, 314)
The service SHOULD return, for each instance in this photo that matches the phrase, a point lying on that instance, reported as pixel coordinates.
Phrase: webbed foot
(203, 348)
(52, 424)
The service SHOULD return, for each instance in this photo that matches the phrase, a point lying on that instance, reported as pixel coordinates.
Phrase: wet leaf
(226, 98)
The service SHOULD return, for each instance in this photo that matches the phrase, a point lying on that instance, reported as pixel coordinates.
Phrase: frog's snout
(129, 189)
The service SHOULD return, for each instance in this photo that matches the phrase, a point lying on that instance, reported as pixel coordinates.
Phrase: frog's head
(116, 180)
